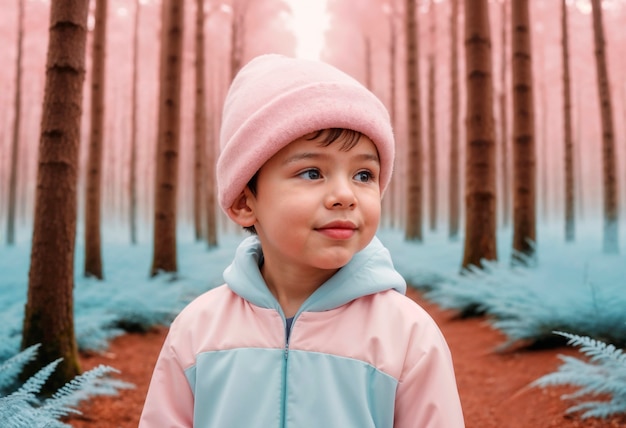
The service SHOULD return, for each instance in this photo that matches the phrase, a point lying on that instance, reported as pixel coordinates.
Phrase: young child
(312, 327)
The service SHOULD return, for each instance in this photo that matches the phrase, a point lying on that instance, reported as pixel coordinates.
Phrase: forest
(506, 204)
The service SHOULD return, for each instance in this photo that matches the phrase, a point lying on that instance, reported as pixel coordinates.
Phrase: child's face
(316, 206)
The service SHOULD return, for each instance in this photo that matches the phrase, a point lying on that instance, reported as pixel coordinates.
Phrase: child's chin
(335, 263)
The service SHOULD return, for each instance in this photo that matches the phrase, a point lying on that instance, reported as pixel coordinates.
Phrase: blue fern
(603, 375)
(527, 305)
(23, 408)
(11, 368)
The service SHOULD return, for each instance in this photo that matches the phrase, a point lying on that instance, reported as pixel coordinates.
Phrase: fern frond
(15, 412)
(33, 385)
(92, 383)
(11, 368)
(597, 409)
(603, 375)
(596, 350)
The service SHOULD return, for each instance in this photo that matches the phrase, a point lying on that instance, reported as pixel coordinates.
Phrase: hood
(369, 271)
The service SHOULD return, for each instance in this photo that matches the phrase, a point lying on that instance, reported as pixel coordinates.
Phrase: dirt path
(493, 386)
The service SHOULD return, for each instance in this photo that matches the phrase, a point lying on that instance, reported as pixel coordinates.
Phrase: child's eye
(364, 176)
(310, 174)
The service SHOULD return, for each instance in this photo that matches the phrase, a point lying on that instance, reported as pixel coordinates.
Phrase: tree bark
(432, 119)
(367, 43)
(211, 214)
(609, 164)
(93, 197)
(132, 181)
(49, 312)
(168, 139)
(570, 201)
(413, 228)
(480, 199)
(199, 122)
(391, 195)
(454, 191)
(504, 120)
(524, 179)
(237, 35)
(15, 146)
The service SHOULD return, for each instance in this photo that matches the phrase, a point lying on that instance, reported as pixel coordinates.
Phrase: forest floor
(493, 385)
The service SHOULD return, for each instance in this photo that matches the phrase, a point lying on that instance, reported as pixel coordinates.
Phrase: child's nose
(341, 194)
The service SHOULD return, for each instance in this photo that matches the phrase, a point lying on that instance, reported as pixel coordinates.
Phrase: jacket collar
(369, 271)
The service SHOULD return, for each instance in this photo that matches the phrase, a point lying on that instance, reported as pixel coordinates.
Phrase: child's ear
(241, 211)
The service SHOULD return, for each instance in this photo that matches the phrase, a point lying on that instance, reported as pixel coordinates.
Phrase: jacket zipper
(284, 386)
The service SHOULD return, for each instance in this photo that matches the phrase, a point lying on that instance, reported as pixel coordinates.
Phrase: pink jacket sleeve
(427, 394)
(170, 400)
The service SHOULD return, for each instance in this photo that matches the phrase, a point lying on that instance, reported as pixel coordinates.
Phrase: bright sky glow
(310, 22)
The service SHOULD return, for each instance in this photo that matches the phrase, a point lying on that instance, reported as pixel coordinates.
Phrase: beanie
(275, 99)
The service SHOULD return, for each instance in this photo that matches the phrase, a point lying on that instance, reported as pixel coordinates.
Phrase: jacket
(360, 354)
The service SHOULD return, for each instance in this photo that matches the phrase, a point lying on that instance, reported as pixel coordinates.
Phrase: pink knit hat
(275, 100)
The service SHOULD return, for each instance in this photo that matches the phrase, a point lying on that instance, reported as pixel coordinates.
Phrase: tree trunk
(237, 31)
(542, 137)
(49, 312)
(432, 119)
(211, 211)
(12, 202)
(454, 191)
(480, 193)
(609, 167)
(93, 197)
(413, 231)
(199, 123)
(132, 181)
(168, 139)
(524, 205)
(505, 170)
(392, 65)
(570, 210)
(391, 193)
(368, 62)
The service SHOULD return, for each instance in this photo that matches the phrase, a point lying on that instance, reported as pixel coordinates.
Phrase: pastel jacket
(360, 354)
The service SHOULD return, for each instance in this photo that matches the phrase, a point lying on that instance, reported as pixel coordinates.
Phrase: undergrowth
(21, 406)
(601, 379)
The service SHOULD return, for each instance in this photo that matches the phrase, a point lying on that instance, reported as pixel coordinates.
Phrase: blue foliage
(528, 304)
(603, 375)
(128, 299)
(23, 408)
(11, 368)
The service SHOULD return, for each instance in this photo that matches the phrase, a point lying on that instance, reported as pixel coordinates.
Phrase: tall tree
(480, 183)
(524, 180)
(570, 206)
(413, 228)
(16, 126)
(93, 246)
(368, 62)
(505, 171)
(432, 118)
(609, 162)
(237, 35)
(49, 312)
(132, 179)
(211, 201)
(199, 123)
(168, 138)
(541, 144)
(454, 191)
(391, 194)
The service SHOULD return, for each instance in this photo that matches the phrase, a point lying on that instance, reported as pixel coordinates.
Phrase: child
(312, 328)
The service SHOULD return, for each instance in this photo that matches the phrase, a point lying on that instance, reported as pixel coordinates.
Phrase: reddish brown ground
(493, 386)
